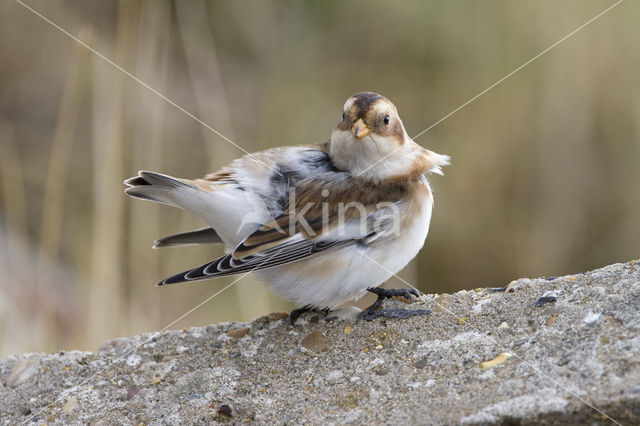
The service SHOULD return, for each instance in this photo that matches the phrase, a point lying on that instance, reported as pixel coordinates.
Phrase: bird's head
(370, 141)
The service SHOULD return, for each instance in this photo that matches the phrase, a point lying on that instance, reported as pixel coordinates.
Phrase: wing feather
(288, 239)
(228, 265)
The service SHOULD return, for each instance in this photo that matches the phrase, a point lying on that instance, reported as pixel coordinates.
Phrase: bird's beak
(359, 129)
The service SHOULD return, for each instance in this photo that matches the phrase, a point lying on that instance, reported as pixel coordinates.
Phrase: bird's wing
(320, 226)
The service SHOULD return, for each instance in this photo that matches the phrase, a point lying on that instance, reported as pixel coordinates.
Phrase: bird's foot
(386, 293)
(372, 311)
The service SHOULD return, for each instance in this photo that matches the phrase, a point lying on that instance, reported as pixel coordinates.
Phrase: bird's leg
(372, 311)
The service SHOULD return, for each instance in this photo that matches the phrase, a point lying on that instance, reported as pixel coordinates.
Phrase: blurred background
(545, 166)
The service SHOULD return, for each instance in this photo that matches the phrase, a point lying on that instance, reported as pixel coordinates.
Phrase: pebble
(511, 287)
(442, 302)
(277, 316)
(225, 410)
(521, 341)
(544, 300)
(420, 364)
(239, 332)
(496, 361)
(551, 320)
(591, 318)
(155, 379)
(70, 405)
(21, 372)
(316, 342)
(132, 392)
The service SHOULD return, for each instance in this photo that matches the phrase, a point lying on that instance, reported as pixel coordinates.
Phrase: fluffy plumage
(315, 221)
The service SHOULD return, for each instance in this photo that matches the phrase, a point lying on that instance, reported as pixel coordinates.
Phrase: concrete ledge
(481, 357)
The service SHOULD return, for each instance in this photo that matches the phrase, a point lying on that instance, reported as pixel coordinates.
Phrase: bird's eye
(386, 120)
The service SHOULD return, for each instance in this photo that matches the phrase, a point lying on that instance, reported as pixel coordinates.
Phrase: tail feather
(146, 178)
(153, 178)
(136, 181)
(156, 187)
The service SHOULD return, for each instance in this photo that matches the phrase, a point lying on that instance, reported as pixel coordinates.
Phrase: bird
(322, 224)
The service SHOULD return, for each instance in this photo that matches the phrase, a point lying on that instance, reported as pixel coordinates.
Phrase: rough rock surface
(481, 357)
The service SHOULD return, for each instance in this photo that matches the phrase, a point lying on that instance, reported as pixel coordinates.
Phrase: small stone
(442, 302)
(488, 375)
(551, 320)
(132, 392)
(503, 325)
(239, 332)
(496, 361)
(511, 287)
(462, 320)
(225, 411)
(420, 364)
(544, 300)
(335, 376)
(155, 379)
(118, 346)
(348, 329)
(521, 341)
(404, 299)
(21, 372)
(70, 405)
(591, 318)
(316, 342)
(277, 316)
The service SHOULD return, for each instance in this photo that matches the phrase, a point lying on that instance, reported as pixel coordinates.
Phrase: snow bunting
(322, 224)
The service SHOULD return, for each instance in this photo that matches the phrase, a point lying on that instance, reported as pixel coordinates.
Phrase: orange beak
(359, 129)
